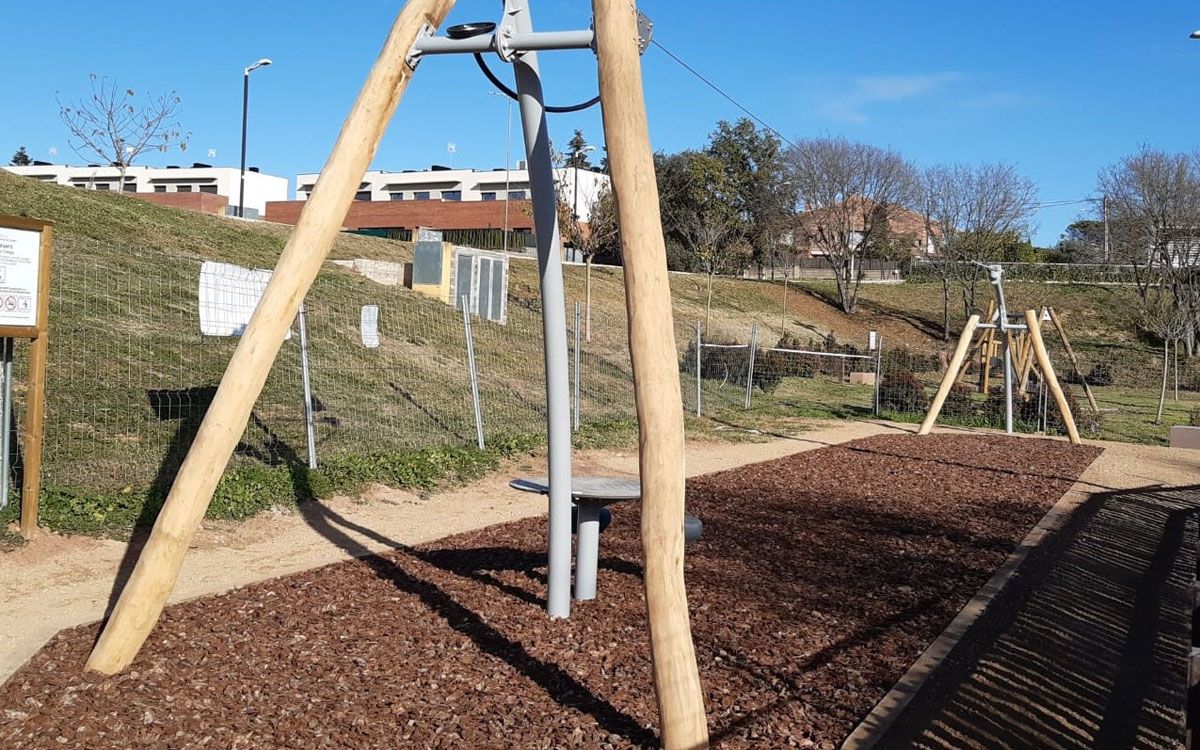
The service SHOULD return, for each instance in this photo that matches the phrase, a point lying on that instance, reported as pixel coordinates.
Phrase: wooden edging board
(889, 708)
(25, 314)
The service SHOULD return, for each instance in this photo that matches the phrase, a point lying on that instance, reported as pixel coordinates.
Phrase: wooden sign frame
(38, 335)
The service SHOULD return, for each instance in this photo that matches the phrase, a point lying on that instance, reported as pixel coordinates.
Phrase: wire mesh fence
(131, 374)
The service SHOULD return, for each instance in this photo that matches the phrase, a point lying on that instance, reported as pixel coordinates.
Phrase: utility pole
(1107, 243)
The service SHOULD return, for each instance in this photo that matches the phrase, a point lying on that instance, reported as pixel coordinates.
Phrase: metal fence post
(750, 365)
(578, 361)
(699, 346)
(878, 372)
(6, 350)
(306, 380)
(466, 308)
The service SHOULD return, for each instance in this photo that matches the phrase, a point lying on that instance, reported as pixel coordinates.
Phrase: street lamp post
(241, 211)
(507, 164)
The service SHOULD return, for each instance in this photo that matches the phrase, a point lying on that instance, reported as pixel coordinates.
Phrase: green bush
(902, 392)
(958, 404)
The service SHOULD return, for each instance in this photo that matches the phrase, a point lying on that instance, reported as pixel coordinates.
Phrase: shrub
(902, 392)
(1194, 417)
(1101, 374)
(958, 404)
(903, 358)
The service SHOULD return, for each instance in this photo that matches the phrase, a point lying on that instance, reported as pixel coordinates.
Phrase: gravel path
(821, 577)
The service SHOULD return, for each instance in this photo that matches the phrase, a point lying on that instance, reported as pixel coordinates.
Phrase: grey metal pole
(578, 362)
(878, 371)
(305, 379)
(750, 365)
(6, 350)
(699, 346)
(554, 318)
(470, 339)
(1008, 385)
(241, 208)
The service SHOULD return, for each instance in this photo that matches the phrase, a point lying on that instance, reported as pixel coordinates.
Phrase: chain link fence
(130, 375)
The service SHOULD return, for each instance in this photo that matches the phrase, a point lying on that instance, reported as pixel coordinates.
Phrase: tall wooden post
(142, 600)
(1043, 360)
(655, 375)
(1062, 334)
(956, 362)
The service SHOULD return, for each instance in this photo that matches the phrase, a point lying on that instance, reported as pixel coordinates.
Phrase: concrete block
(1184, 436)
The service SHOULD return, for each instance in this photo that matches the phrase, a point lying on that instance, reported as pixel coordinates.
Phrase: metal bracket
(506, 29)
(645, 29)
(413, 58)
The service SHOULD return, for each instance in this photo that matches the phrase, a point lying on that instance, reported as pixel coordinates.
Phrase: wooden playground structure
(618, 36)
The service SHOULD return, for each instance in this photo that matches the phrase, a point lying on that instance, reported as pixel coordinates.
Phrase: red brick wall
(203, 202)
(412, 214)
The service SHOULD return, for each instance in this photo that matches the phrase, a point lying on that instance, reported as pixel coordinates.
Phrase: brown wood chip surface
(820, 578)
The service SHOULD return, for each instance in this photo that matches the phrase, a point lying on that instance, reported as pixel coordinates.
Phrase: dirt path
(57, 582)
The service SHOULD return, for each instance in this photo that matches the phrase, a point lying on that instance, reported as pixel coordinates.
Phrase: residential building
(199, 187)
(906, 229)
(578, 188)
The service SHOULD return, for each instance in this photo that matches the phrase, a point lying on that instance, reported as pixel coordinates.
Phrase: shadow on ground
(1085, 648)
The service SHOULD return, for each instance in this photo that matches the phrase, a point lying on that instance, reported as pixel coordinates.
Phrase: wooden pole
(35, 403)
(1043, 360)
(157, 568)
(1062, 334)
(655, 375)
(960, 354)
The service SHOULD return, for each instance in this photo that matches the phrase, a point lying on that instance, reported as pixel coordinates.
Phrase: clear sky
(1057, 88)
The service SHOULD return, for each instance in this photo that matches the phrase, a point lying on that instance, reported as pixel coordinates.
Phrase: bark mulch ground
(820, 578)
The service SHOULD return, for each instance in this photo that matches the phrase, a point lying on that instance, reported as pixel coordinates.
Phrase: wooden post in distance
(960, 353)
(1043, 360)
(141, 602)
(655, 375)
(1062, 334)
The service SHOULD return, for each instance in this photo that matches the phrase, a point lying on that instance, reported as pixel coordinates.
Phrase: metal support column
(470, 339)
(699, 346)
(6, 350)
(554, 315)
(306, 381)
(750, 365)
(578, 361)
(878, 371)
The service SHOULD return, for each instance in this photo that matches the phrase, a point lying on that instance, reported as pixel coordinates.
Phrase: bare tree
(1154, 213)
(596, 235)
(972, 212)
(113, 125)
(847, 190)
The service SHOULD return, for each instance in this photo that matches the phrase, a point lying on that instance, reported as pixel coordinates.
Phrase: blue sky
(1059, 89)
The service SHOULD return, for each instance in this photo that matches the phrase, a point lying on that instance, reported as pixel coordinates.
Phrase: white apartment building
(198, 178)
(577, 187)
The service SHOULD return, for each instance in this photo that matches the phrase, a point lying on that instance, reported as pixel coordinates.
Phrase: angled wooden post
(655, 375)
(960, 354)
(142, 600)
(1062, 334)
(1043, 360)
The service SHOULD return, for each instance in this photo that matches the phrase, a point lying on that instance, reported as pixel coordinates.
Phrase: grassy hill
(130, 375)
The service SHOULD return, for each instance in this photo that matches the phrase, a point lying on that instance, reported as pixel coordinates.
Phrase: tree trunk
(945, 309)
(587, 295)
(708, 304)
(1162, 394)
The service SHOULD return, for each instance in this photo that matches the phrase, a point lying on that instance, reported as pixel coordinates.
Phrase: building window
(183, 188)
(451, 195)
(210, 189)
(516, 195)
(103, 186)
(421, 195)
(489, 196)
(160, 188)
(397, 196)
(362, 195)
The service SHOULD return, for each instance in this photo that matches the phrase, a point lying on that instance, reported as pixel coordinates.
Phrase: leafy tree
(1082, 242)
(21, 158)
(759, 192)
(117, 127)
(701, 215)
(577, 155)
